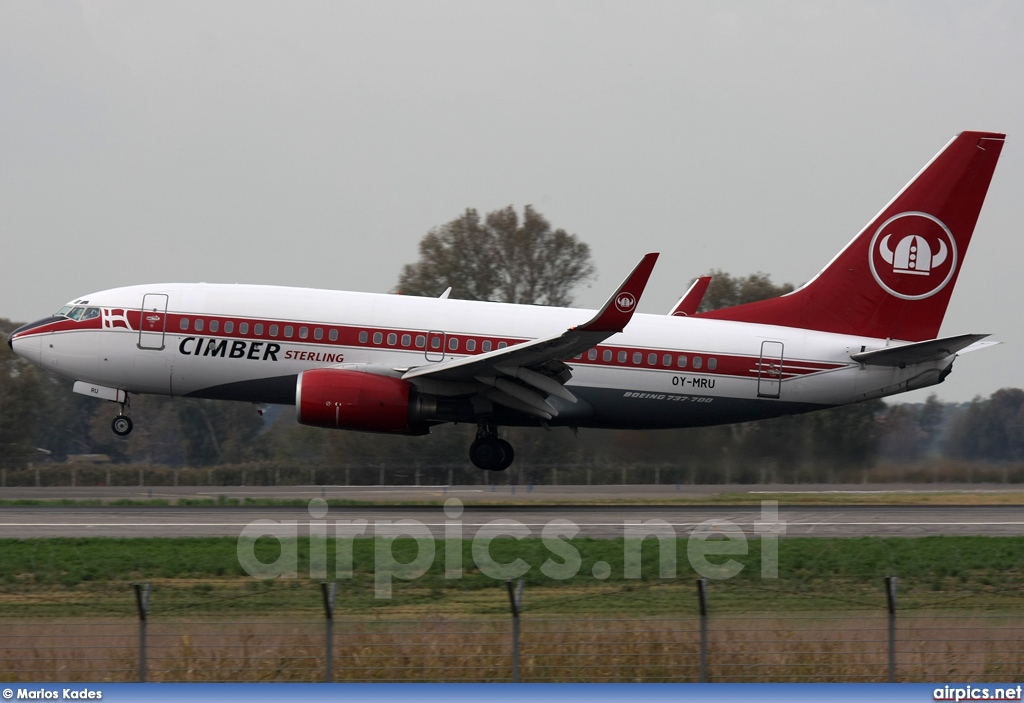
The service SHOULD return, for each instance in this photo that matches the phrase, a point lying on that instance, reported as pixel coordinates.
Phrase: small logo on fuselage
(913, 255)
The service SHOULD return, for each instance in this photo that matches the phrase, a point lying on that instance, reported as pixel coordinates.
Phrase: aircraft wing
(918, 352)
(523, 375)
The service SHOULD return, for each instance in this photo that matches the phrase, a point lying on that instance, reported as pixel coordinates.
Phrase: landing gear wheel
(491, 453)
(509, 455)
(122, 426)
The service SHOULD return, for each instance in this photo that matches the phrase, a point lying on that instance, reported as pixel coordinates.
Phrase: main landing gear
(488, 451)
(122, 424)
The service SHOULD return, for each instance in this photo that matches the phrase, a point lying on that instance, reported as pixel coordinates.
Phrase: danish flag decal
(913, 255)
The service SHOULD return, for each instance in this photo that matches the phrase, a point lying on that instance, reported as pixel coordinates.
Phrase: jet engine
(356, 400)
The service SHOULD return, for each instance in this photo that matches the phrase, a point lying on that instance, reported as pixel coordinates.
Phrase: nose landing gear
(489, 452)
(122, 424)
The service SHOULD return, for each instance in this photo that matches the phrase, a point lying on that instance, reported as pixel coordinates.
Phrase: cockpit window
(79, 313)
(63, 312)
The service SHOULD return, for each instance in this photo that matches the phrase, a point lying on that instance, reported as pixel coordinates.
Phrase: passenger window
(199, 325)
(638, 357)
(421, 341)
(712, 364)
(333, 335)
(502, 345)
(378, 337)
(622, 357)
(273, 330)
(258, 329)
(214, 325)
(406, 340)
(607, 356)
(592, 355)
(289, 331)
(652, 359)
(318, 333)
(243, 328)
(363, 336)
(681, 361)
(486, 345)
(303, 332)
(697, 363)
(184, 323)
(453, 344)
(470, 345)
(229, 327)
(578, 356)
(666, 360)
(392, 339)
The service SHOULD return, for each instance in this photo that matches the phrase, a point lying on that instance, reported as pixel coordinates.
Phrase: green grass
(60, 577)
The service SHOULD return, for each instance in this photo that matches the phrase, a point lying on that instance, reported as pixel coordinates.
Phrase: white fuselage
(244, 342)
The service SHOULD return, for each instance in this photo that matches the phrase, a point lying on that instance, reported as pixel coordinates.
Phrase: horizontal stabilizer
(918, 352)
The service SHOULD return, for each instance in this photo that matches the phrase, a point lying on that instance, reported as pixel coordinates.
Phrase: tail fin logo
(625, 302)
(913, 255)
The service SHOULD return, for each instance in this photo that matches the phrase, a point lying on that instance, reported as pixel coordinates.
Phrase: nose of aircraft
(25, 345)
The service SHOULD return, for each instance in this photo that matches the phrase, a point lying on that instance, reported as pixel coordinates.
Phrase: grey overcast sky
(315, 143)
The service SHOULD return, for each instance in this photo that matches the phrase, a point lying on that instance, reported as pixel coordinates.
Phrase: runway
(593, 521)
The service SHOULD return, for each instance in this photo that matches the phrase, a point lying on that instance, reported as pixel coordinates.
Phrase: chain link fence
(509, 641)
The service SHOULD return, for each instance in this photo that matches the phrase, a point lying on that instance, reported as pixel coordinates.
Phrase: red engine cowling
(353, 400)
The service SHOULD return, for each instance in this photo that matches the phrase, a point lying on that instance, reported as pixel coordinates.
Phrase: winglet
(618, 309)
(692, 298)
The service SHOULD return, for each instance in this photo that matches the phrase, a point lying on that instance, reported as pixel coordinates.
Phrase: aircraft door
(435, 346)
(153, 321)
(769, 370)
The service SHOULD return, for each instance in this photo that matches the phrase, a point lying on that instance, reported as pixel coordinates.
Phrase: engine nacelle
(354, 400)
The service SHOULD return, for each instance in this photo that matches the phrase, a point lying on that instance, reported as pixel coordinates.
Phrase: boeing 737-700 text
(865, 327)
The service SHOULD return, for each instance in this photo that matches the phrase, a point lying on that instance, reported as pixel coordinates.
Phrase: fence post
(37, 477)
(329, 590)
(890, 593)
(702, 596)
(515, 599)
(142, 591)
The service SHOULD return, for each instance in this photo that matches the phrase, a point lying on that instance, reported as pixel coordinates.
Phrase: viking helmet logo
(624, 302)
(913, 255)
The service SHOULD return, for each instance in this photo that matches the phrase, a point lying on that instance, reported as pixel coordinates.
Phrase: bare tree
(502, 259)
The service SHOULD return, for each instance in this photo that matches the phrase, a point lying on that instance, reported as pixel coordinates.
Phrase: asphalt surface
(600, 522)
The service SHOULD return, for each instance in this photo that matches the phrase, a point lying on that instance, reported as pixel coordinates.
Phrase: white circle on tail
(913, 255)
(624, 302)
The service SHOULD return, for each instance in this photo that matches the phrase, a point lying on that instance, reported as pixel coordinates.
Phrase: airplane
(865, 327)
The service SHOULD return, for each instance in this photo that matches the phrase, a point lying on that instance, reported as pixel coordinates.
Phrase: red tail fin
(895, 278)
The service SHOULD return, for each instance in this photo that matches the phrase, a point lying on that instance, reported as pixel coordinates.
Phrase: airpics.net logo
(710, 547)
